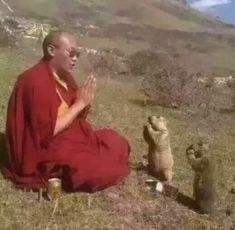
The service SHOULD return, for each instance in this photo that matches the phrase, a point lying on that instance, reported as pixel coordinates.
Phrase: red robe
(84, 158)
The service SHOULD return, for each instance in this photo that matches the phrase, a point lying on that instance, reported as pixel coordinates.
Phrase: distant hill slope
(199, 42)
(164, 14)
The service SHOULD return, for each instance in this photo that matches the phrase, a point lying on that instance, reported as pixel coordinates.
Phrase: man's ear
(51, 50)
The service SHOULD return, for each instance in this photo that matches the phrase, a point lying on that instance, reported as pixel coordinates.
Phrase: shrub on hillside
(172, 87)
(105, 62)
(143, 62)
(166, 83)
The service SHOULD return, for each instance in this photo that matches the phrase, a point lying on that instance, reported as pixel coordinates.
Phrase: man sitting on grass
(47, 131)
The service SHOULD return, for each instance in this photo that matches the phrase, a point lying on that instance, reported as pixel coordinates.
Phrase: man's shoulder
(32, 71)
(33, 74)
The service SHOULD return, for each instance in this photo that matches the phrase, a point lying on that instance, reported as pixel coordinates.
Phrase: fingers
(87, 82)
(88, 89)
(90, 82)
(93, 88)
(91, 85)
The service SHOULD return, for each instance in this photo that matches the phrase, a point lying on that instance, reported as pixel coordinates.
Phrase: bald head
(60, 50)
(55, 38)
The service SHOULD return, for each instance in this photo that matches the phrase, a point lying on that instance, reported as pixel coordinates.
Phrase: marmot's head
(199, 149)
(158, 123)
(203, 147)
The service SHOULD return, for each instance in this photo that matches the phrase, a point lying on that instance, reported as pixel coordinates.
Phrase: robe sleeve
(40, 107)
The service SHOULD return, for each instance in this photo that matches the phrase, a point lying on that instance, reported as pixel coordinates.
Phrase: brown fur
(199, 158)
(160, 159)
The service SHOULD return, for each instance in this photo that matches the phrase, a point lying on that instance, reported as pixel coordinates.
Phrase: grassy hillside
(130, 26)
(164, 26)
(157, 13)
(129, 205)
(199, 43)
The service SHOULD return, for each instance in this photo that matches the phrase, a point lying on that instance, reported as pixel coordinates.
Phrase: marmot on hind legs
(199, 157)
(160, 159)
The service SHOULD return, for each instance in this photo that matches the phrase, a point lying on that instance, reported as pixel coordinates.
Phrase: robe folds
(84, 158)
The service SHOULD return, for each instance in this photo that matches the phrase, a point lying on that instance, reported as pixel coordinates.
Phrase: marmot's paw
(149, 127)
(190, 150)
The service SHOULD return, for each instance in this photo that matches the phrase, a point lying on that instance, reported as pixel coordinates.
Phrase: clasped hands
(86, 92)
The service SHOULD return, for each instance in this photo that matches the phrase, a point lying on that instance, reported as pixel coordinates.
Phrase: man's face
(64, 54)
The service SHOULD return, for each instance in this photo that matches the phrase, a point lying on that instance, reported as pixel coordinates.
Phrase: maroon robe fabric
(84, 158)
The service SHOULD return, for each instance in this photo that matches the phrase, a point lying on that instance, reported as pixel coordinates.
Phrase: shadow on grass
(227, 110)
(142, 103)
(188, 202)
(169, 191)
(2, 149)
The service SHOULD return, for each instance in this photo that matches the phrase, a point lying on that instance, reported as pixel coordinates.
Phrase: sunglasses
(71, 53)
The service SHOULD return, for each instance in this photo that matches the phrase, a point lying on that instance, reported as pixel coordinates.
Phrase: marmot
(160, 159)
(199, 157)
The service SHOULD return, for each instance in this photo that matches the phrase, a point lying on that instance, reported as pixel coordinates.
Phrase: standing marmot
(199, 157)
(160, 159)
